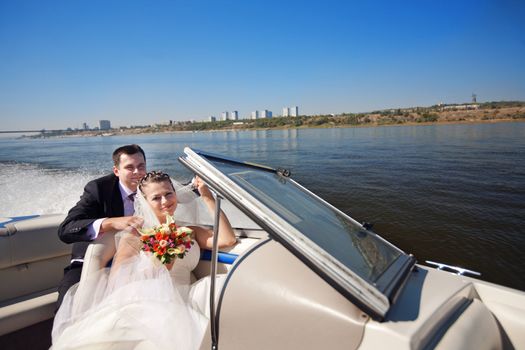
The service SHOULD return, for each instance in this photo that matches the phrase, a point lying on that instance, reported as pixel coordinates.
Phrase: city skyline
(66, 63)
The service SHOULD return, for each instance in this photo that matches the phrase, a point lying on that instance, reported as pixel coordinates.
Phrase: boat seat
(100, 252)
(32, 260)
(98, 255)
(226, 257)
(27, 312)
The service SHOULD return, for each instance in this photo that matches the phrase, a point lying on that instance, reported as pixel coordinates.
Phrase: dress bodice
(181, 270)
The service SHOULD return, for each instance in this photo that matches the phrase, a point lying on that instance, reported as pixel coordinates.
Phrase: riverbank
(453, 114)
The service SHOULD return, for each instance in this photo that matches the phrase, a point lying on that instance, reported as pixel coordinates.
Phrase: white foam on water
(27, 189)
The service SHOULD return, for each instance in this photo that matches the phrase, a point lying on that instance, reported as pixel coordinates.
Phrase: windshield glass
(360, 250)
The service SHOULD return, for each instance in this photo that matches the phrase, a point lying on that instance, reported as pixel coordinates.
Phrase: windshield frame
(374, 299)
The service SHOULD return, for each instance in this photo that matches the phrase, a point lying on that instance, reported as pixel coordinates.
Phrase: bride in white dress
(140, 303)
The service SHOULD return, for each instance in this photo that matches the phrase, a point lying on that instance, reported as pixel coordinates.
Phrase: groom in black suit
(105, 206)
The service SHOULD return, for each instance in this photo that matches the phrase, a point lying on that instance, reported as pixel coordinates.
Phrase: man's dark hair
(127, 149)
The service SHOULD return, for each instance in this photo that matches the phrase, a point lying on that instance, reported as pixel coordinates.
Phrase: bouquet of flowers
(167, 241)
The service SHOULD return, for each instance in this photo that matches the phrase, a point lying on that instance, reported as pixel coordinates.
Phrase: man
(105, 206)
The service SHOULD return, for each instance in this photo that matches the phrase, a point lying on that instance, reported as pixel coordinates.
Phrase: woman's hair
(154, 177)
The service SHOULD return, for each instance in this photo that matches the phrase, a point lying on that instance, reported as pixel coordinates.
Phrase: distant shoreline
(492, 121)
(466, 122)
(493, 112)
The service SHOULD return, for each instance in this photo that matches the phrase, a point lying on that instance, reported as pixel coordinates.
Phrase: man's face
(130, 170)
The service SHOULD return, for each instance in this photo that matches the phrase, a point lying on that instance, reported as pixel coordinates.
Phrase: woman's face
(161, 197)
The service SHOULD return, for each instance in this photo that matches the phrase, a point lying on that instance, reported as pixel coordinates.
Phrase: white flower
(184, 229)
(169, 219)
(146, 231)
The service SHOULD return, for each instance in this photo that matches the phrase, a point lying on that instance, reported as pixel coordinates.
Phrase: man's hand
(129, 223)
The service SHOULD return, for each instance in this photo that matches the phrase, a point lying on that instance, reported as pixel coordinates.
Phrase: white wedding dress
(138, 305)
(142, 305)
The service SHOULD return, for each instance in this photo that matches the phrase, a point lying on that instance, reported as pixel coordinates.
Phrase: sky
(137, 62)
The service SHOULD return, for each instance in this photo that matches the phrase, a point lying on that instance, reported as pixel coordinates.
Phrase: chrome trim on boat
(213, 272)
(454, 269)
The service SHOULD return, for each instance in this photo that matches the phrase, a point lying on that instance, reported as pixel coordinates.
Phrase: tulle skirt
(133, 307)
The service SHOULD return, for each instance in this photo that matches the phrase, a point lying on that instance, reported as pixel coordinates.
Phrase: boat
(303, 275)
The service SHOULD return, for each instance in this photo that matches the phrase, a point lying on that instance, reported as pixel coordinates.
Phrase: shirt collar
(124, 191)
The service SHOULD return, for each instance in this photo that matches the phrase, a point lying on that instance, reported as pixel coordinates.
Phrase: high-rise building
(225, 115)
(105, 124)
(265, 114)
(235, 115)
(255, 115)
(213, 119)
(291, 111)
(85, 126)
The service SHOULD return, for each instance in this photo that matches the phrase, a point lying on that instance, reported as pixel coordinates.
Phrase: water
(447, 193)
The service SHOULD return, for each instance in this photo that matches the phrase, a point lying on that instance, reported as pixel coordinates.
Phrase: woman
(139, 303)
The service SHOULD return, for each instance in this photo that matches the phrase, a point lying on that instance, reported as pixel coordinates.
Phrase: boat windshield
(357, 262)
(360, 250)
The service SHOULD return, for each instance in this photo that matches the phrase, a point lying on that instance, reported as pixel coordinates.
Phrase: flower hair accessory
(167, 241)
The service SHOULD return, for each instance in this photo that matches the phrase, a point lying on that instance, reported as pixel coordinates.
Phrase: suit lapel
(117, 206)
(114, 206)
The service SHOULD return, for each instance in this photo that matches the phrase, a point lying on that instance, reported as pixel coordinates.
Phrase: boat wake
(28, 189)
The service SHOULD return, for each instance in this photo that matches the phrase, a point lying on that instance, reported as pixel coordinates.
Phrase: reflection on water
(449, 193)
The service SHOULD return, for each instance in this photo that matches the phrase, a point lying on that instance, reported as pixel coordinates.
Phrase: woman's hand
(203, 189)
(204, 236)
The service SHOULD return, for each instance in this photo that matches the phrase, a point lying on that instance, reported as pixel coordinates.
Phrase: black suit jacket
(101, 199)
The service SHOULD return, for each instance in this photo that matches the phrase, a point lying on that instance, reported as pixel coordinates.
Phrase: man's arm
(78, 225)
(82, 215)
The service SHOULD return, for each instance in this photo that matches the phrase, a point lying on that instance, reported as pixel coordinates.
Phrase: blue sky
(140, 62)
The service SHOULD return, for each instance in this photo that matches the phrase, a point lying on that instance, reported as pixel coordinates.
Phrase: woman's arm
(128, 246)
(204, 236)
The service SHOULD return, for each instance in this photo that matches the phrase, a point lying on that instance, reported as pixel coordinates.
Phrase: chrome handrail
(458, 270)
(213, 273)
